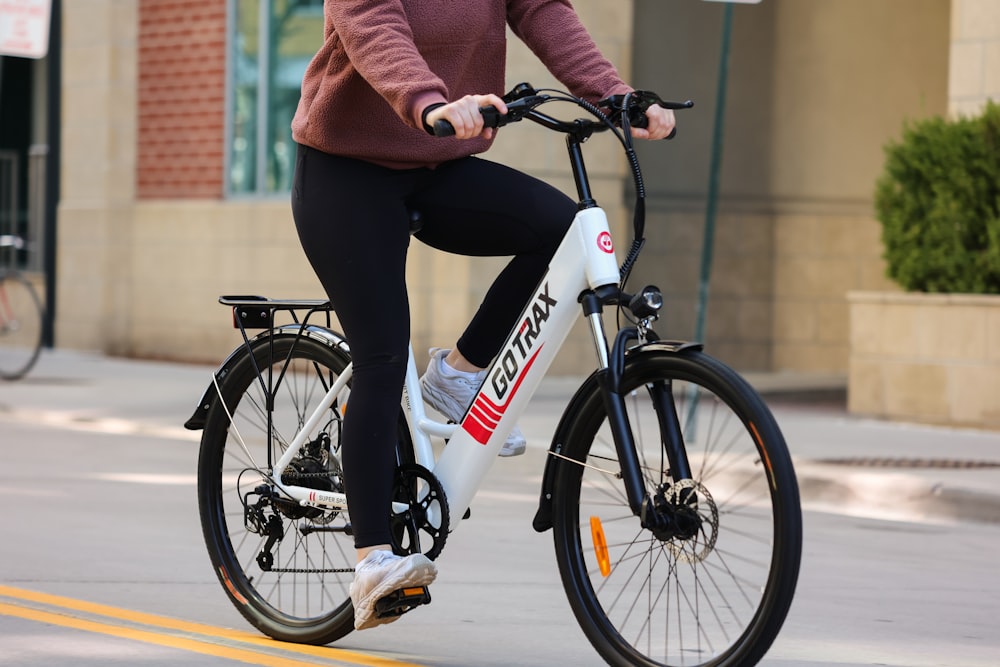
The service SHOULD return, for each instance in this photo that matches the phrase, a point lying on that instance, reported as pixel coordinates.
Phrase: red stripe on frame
(487, 409)
(473, 423)
(476, 430)
(483, 417)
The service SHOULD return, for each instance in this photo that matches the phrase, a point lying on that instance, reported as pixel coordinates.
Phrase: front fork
(610, 374)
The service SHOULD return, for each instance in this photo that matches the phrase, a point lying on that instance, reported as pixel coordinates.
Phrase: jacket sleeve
(554, 33)
(379, 43)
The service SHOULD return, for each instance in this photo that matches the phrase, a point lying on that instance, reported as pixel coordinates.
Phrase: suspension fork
(609, 376)
(661, 394)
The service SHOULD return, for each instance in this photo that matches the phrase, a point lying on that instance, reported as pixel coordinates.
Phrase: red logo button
(605, 243)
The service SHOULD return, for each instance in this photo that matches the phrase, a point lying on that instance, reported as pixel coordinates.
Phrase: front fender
(326, 336)
(590, 387)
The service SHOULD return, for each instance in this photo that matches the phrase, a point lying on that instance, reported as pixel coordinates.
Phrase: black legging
(353, 222)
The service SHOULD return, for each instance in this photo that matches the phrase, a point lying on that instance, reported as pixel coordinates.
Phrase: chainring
(419, 509)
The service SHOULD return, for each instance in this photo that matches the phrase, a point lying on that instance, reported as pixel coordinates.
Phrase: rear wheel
(287, 568)
(713, 590)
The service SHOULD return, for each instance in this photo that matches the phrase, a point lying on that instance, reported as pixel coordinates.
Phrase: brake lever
(518, 92)
(639, 102)
(519, 100)
(516, 110)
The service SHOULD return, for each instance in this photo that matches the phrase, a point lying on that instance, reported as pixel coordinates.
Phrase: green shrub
(938, 200)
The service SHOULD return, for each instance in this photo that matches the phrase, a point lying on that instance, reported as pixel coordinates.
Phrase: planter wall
(932, 358)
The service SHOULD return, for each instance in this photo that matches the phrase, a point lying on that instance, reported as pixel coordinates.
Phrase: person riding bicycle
(366, 159)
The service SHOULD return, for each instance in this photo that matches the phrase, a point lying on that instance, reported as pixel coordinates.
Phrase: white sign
(24, 28)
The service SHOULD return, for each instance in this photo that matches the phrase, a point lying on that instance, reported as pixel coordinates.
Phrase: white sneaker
(381, 573)
(451, 395)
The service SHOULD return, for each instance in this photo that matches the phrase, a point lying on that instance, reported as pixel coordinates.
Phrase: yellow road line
(193, 645)
(166, 623)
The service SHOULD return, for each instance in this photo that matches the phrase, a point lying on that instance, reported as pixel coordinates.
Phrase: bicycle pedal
(399, 602)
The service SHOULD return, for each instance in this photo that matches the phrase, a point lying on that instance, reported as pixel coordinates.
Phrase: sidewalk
(845, 464)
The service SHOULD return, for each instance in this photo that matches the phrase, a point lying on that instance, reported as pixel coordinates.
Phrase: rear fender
(321, 334)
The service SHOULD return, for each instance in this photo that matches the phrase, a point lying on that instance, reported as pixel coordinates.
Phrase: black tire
(718, 598)
(20, 326)
(309, 601)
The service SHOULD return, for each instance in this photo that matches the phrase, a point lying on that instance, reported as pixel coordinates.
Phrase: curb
(891, 495)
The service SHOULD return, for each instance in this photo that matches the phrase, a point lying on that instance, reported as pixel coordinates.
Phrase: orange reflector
(232, 589)
(414, 591)
(600, 545)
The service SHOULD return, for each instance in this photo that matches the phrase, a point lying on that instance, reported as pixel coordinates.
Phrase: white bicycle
(668, 486)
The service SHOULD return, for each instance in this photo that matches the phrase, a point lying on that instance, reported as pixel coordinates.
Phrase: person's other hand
(661, 124)
(464, 115)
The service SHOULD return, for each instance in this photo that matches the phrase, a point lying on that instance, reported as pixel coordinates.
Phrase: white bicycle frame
(584, 259)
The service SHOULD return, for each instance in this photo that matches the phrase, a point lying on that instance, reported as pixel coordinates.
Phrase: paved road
(103, 562)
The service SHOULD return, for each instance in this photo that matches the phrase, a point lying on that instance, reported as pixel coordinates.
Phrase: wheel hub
(685, 517)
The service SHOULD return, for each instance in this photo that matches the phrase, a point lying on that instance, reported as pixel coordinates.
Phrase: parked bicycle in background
(21, 314)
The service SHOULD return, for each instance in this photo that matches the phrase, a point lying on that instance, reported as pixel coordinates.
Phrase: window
(271, 43)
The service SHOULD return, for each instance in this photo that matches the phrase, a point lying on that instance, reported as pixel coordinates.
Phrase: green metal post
(708, 241)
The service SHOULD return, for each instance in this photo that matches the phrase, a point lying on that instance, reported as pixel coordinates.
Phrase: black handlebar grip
(491, 118)
(443, 128)
(641, 121)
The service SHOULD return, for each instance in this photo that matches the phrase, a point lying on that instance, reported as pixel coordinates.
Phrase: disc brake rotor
(691, 498)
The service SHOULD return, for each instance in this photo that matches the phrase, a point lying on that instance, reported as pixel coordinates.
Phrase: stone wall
(139, 273)
(97, 180)
(815, 90)
(936, 357)
(974, 71)
(808, 113)
(932, 358)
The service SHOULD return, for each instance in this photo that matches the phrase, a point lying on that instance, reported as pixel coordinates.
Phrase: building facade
(175, 158)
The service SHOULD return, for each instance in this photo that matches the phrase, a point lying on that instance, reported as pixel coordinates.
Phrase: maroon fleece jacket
(384, 61)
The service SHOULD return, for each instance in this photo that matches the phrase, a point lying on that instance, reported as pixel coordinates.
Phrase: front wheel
(715, 589)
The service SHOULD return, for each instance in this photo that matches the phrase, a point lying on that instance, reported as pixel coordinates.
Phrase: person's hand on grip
(464, 116)
(660, 123)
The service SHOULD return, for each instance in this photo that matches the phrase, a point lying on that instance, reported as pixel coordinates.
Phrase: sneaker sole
(416, 574)
(516, 450)
(441, 402)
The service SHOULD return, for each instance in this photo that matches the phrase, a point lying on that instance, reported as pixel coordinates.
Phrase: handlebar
(627, 110)
(617, 113)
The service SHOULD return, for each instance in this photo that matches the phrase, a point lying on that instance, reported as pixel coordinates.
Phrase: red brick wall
(182, 83)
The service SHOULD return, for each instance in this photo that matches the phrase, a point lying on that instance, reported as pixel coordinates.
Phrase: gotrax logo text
(514, 362)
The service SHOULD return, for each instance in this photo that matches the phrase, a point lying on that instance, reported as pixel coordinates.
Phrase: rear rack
(257, 312)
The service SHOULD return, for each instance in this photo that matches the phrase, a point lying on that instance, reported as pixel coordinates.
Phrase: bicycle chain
(297, 570)
(294, 475)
